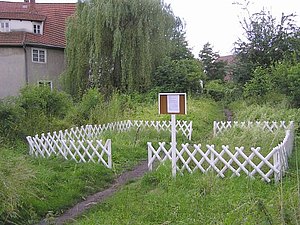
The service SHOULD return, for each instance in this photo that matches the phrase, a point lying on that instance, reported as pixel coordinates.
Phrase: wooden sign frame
(172, 103)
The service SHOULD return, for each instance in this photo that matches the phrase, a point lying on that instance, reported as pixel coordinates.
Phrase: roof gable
(54, 16)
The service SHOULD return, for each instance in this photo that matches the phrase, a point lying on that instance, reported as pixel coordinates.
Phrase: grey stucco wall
(12, 71)
(54, 66)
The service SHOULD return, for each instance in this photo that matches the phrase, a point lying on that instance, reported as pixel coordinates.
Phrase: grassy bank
(35, 188)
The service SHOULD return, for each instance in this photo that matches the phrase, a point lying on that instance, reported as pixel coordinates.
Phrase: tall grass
(60, 184)
(255, 112)
(248, 138)
(46, 187)
(206, 199)
(33, 188)
(16, 175)
(198, 199)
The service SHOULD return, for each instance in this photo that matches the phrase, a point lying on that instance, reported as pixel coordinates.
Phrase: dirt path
(99, 197)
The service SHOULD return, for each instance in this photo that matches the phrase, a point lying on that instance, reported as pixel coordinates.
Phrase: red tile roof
(12, 38)
(22, 16)
(54, 16)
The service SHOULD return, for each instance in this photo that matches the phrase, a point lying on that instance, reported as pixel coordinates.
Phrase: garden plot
(252, 148)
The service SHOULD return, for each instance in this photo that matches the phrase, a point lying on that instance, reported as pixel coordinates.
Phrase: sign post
(172, 103)
(173, 143)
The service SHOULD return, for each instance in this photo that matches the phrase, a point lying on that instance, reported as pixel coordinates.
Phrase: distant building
(230, 61)
(32, 44)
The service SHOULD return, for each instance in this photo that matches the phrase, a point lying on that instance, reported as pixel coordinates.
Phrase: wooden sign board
(172, 103)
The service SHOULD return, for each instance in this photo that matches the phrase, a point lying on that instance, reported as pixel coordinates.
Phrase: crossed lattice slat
(76, 143)
(265, 125)
(218, 161)
(161, 154)
(80, 150)
(88, 151)
(92, 131)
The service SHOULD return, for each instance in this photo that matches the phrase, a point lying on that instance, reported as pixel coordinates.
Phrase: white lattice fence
(94, 131)
(220, 126)
(161, 154)
(183, 127)
(226, 161)
(282, 152)
(78, 150)
(82, 144)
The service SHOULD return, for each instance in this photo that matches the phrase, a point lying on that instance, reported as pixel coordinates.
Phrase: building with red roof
(32, 44)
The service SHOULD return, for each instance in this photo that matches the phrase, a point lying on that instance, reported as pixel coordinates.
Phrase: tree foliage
(117, 44)
(213, 68)
(35, 110)
(266, 42)
(286, 77)
(260, 84)
(180, 49)
(179, 76)
(282, 78)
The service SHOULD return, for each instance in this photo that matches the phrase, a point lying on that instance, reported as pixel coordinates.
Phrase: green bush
(41, 106)
(179, 76)
(11, 117)
(94, 109)
(260, 84)
(215, 89)
(80, 114)
(280, 81)
(232, 91)
(50, 102)
(223, 91)
(286, 76)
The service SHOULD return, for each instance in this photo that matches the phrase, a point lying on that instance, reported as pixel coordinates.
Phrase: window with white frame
(37, 28)
(39, 55)
(45, 83)
(4, 26)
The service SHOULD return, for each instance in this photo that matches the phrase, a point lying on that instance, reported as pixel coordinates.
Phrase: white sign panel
(173, 105)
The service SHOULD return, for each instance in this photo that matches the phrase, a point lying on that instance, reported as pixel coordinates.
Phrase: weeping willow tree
(116, 44)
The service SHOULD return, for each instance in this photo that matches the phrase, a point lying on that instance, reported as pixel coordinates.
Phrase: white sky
(217, 21)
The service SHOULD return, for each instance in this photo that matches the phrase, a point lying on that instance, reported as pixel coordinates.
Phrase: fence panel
(93, 131)
(77, 150)
(161, 154)
(82, 144)
(232, 161)
(220, 126)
